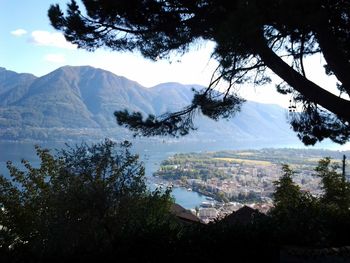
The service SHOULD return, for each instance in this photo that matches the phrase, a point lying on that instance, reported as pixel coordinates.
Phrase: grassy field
(250, 162)
(245, 153)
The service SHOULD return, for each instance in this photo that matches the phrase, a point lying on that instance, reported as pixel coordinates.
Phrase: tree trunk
(307, 88)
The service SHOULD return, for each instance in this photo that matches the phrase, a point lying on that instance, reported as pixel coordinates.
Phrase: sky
(29, 44)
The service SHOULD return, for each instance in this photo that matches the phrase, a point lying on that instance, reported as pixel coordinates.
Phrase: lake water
(152, 154)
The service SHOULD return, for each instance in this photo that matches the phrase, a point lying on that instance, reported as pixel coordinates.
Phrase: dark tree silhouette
(82, 202)
(251, 37)
(336, 188)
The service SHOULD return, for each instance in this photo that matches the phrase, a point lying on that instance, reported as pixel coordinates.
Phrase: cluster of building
(235, 182)
(250, 179)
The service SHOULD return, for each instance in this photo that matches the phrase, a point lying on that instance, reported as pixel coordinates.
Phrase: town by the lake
(232, 179)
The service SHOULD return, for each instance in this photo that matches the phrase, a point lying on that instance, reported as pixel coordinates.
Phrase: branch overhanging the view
(251, 37)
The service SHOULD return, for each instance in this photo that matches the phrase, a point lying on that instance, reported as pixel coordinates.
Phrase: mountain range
(79, 102)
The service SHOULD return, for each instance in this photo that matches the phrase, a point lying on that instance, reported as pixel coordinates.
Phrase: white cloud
(55, 58)
(45, 38)
(19, 32)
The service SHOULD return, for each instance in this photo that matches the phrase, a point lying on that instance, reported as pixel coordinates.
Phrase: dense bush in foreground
(82, 202)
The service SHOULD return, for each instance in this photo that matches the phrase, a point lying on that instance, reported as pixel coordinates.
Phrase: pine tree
(287, 194)
(251, 37)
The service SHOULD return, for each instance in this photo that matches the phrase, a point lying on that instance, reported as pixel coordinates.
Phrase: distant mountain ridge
(79, 101)
(10, 80)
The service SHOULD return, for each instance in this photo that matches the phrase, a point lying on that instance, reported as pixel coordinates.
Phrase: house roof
(243, 216)
(183, 214)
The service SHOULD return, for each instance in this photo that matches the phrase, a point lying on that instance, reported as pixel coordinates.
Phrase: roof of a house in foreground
(183, 214)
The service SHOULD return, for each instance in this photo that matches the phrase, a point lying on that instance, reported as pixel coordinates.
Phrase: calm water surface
(152, 153)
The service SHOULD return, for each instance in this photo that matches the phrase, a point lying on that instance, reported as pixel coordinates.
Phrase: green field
(246, 161)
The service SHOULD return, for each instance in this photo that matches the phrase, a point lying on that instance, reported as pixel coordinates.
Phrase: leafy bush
(81, 202)
(306, 220)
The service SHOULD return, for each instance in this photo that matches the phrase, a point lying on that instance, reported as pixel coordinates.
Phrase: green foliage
(287, 193)
(82, 201)
(294, 213)
(335, 187)
(193, 166)
(302, 219)
(250, 197)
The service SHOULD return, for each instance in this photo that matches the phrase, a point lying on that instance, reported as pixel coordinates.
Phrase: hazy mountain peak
(12, 73)
(79, 69)
(10, 80)
(82, 70)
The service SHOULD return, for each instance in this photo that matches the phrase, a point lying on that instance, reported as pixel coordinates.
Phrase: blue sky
(29, 44)
(20, 50)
